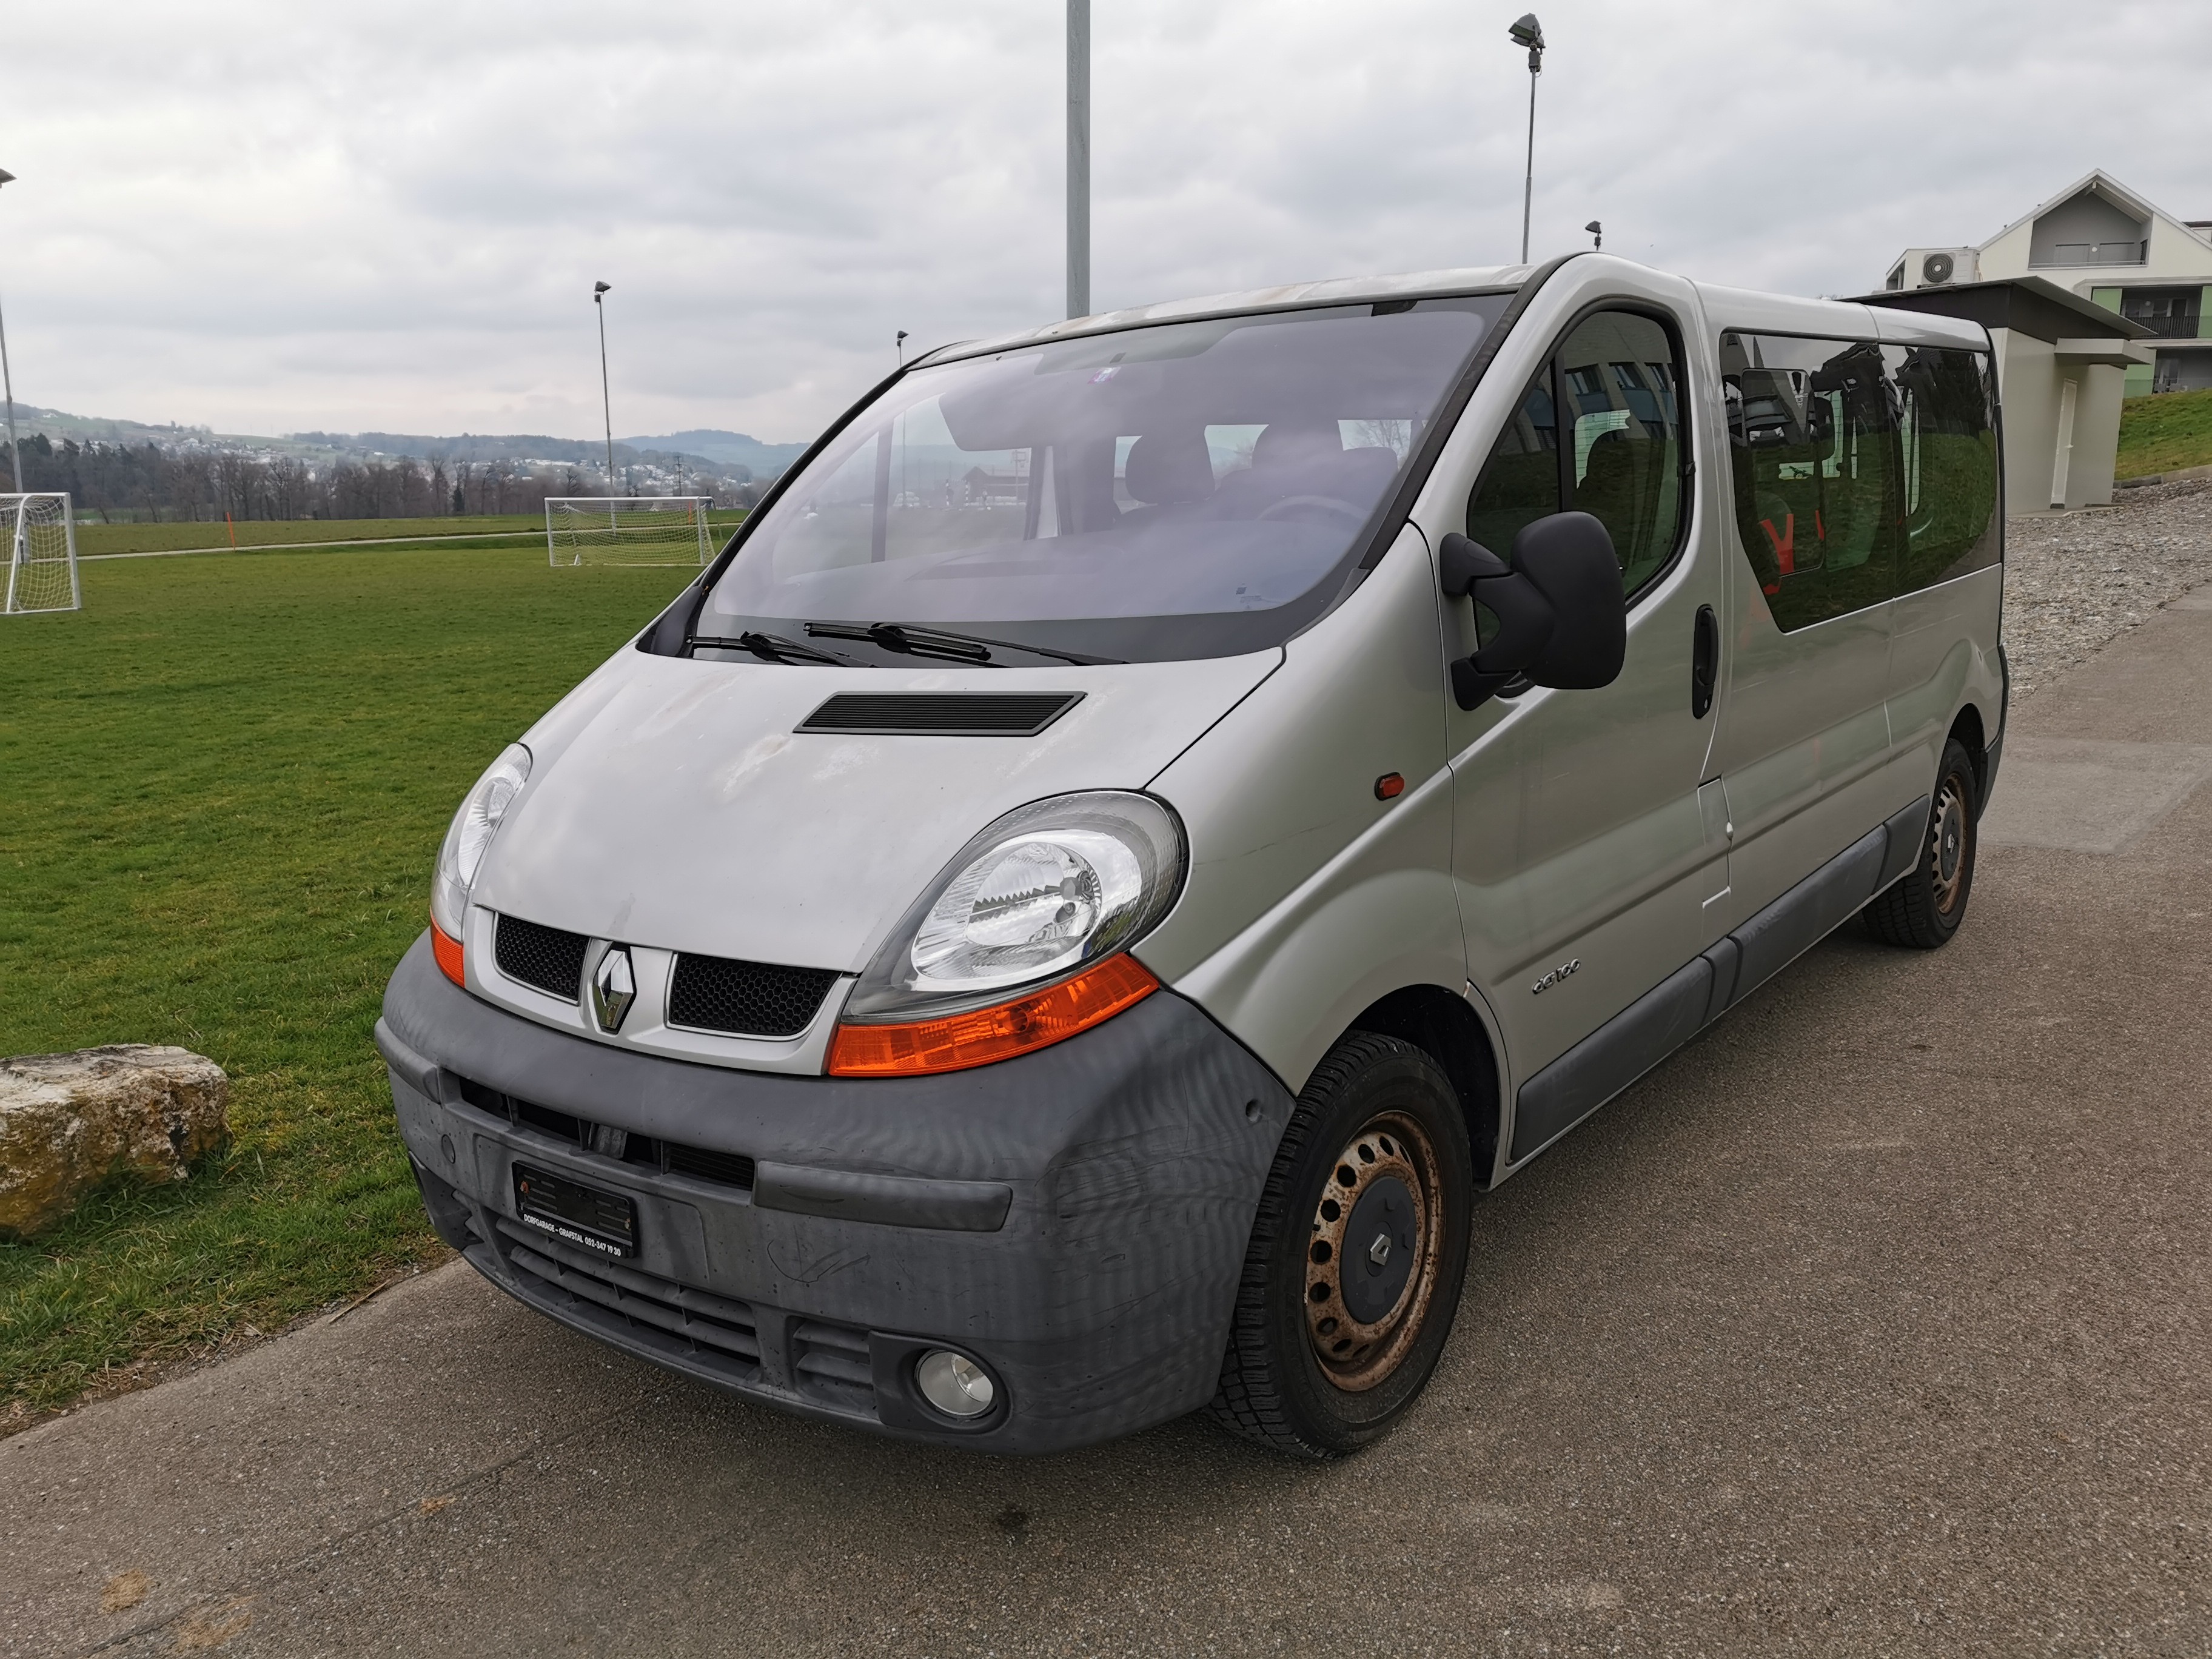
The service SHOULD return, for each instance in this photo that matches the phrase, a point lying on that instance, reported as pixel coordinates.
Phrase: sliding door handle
(1705, 662)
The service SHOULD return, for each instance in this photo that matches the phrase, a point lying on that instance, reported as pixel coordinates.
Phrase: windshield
(1162, 491)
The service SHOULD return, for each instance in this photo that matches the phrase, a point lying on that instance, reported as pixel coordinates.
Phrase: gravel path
(2074, 581)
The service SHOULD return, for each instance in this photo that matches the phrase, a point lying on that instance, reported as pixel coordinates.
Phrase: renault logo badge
(614, 988)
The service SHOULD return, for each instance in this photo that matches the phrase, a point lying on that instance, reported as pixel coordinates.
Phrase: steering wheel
(1291, 504)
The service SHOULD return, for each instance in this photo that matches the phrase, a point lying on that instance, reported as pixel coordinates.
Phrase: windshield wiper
(909, 641)
(775, 648)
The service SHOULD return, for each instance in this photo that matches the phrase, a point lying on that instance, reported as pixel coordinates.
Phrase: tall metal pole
(1528, 33)
(15, 449)
(1079, 158)
(1528, 180)
(7, 382)
(606, 403)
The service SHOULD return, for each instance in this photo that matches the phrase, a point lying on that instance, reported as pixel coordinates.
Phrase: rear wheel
(1925, 908)
(1357, 1253)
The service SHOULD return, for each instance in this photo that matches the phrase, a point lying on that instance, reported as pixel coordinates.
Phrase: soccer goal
(41, 543)
(627, 530)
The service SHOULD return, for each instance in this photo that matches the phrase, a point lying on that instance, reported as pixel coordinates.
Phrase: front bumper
(1075, 1219)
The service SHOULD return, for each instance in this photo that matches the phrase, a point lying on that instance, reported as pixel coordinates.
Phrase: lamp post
(8, 382)
(1597, 234)
(1530, 33)
(606, 403)
(1079, 158)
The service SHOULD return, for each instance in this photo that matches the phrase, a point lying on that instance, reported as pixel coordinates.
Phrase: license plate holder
(587, 1217)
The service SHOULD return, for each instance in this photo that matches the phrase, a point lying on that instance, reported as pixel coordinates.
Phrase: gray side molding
(1905, 830)
(1808, 912)
(1612, 1057)
(1690, 998)
(966, 1207)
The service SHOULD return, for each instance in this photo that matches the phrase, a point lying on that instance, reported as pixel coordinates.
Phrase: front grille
(745, 998)
(941, 713)
(707, 1329)
(603, 1140)
(546, 957)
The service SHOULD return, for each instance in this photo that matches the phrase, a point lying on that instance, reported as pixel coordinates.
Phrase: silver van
(1152, 817)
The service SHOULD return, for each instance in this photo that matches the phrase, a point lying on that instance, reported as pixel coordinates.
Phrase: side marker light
(1389, 787)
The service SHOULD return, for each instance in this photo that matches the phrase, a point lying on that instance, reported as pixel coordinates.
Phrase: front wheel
(1357, 1253)
(1925, 909)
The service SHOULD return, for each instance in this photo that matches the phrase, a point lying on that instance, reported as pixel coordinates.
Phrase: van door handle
(1705, 662)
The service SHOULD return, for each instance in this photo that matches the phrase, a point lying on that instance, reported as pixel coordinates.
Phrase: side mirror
(1563, 618)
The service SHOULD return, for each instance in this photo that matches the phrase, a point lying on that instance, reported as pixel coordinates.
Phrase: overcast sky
(277, 217)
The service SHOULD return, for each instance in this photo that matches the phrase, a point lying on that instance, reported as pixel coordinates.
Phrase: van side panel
(1944, 657)
(1308, 896)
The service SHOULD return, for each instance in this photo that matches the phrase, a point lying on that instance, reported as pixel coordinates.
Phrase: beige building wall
(2038, 412)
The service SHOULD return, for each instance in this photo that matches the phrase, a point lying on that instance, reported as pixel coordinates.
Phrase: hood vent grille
(942, 714)
(745, 998)
(546, 959)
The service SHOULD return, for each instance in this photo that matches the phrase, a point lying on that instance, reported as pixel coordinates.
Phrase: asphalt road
(1875, 1322)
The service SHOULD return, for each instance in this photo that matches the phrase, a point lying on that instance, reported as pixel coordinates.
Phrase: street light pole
(7, 380)
(1530, 33)
(1079, 158)
(606, 403)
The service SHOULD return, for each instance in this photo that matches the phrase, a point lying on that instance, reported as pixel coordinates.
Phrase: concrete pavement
(1879, 1320)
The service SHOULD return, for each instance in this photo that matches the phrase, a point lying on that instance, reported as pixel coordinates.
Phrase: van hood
(671, 804)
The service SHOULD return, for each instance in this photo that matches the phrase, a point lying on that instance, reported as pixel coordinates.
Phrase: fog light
(954, 1383)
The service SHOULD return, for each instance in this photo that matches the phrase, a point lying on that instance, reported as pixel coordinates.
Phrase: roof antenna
(1597, 233)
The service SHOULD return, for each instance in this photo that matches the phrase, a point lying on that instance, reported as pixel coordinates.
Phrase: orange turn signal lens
(957, 1041)
(447, 949)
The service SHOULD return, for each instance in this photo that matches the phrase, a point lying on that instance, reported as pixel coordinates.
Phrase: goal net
(40, 539)
(636, 530)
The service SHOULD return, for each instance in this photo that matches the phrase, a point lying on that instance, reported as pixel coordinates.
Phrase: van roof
(1725, 307)
(1336, 291)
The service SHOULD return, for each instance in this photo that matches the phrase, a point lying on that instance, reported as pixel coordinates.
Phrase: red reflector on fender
(958, 1041)
(447, 949)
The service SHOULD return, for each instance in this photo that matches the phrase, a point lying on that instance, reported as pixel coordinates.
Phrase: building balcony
(2169, 328)
(2092, 253)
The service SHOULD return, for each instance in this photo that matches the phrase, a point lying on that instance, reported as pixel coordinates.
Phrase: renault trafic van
(1152, 815)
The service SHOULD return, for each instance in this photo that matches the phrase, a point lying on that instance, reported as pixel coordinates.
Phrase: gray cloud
(269, 217)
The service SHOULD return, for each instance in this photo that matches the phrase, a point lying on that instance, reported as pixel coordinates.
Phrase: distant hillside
(730, 448)
(709, 451)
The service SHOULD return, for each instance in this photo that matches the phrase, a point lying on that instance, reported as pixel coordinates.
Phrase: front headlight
(462, 856)
(1048, 890)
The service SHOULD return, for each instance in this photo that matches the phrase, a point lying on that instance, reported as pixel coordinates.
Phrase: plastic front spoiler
(1075, 1219)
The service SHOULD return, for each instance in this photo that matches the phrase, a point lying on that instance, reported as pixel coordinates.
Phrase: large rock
(70, 1122)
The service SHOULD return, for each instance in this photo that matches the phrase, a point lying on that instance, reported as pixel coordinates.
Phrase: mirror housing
(1562, 617)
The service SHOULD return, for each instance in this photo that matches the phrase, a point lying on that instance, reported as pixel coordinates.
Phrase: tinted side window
(1520, 482)
(1618, 371)
(1948, 439)
(1617, 455)
(1812, 436)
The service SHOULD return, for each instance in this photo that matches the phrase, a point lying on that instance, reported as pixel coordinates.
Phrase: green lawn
(2164, 433)
(226, 780)
(514, 529)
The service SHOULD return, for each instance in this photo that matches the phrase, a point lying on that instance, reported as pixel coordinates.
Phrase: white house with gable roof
(2101, 240)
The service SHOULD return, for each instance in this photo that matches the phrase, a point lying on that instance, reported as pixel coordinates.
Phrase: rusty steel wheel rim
(1366, 1300)
(1950, 826)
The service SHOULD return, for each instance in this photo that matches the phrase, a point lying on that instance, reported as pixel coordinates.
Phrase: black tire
(1320, 1363)
(1922, 911)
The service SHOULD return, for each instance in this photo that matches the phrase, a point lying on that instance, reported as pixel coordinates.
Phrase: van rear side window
(1946, 429)
(1860, 471)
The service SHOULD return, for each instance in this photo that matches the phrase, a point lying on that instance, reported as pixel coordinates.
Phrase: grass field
(2164, 434)
(512, 529)
(227, 778)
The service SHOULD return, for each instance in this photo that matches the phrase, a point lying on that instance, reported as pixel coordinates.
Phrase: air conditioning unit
(1935, 267)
